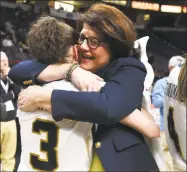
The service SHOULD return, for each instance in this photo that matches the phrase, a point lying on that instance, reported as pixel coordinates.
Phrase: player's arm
(143, 122)
(28, 70)
(32, 72)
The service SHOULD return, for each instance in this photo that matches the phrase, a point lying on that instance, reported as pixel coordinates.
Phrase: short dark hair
(118, 29)
(49, 40)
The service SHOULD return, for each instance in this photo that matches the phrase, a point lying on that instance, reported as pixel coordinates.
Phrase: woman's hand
(33, 98)
(85, 80)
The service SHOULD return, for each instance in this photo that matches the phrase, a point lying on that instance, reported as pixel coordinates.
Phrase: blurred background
(164, 21)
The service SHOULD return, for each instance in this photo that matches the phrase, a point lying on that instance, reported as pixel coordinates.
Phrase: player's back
(175, 121)
(54, 146)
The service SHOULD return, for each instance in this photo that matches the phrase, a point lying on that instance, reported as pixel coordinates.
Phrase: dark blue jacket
(121, 148)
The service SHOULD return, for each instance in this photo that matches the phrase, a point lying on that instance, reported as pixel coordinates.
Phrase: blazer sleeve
(25, 73)
(121, 95)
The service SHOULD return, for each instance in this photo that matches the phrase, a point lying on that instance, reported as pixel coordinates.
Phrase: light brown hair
(49, 40)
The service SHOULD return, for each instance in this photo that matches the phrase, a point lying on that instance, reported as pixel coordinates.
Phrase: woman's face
(93, 59)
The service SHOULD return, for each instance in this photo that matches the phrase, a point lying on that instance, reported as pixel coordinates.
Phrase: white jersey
(54, 146)
(175, 121)
(154, 144)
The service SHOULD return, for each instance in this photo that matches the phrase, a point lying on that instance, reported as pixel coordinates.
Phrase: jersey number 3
(48, 146)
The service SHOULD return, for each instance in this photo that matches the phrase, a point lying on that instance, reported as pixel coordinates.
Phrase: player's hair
(182, 84)
(49, 40)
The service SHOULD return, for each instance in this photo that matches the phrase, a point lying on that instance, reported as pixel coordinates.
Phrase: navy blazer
(119, 147)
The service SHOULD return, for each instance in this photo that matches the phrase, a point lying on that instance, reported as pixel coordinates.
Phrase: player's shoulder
(61, 84)
(66, 85)
(25, 116)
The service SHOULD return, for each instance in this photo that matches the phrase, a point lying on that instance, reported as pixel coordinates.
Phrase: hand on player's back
(27, 100)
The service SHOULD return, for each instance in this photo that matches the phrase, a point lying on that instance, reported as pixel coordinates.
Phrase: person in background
(159, 88)
(105, 47)
(175, 115)
(153, 143)
(158, 102)
(9, 94)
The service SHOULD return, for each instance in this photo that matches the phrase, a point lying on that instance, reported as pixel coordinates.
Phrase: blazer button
(98, 144)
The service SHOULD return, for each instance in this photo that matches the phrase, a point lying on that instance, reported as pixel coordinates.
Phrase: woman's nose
(84, 45)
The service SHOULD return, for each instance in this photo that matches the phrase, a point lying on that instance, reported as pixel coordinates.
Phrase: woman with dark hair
(105, 47)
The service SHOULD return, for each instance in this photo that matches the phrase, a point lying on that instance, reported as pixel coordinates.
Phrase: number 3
(48, 146)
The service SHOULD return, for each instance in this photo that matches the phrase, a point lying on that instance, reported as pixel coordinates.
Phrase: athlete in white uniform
(47, 145)
(54, 146)
(175, 121)
(154, 143)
